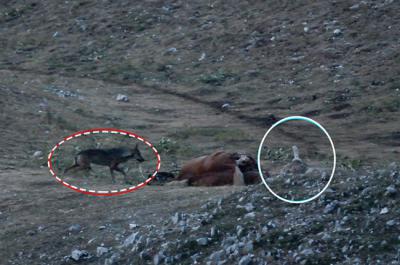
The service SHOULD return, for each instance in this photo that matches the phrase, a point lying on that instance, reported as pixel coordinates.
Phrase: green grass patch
(218, 78)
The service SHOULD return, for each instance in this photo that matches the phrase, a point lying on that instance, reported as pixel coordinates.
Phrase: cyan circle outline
(291, 118)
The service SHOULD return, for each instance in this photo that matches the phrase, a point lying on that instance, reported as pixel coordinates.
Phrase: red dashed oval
(104, 192)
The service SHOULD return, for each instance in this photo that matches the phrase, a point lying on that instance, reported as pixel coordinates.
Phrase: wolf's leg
(88, 170)
(76, 164)
(71, 167)
(112, 175)
(122, 171)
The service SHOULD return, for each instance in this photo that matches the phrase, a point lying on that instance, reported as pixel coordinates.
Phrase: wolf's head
(135, 154)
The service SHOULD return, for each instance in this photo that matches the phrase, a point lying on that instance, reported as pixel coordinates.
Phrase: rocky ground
(354, 222)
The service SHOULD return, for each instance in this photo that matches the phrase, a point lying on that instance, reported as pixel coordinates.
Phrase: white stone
(226, 106)
(337, 32)
(133, 226)
(131, 239)
(384, 210)
(249, 207)
(245, 260)
(78, 254)
(202, 57)
(307, 252)
(250, 215)
(101, 251)
(123, 98)
(172, 50)
(391, 223)
(37, 153)
(202, 241)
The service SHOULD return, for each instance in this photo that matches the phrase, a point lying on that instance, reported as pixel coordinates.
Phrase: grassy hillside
(336, 62)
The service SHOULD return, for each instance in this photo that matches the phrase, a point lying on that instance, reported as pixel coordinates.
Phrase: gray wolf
(106, 157)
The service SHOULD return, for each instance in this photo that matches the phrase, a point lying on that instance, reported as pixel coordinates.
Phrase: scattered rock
(337, 32)
(62, 92)
(344, 249)
(131, 239)
(354, 7)
(79, 255)
(240, 244)
(145, 255)
(307, 252)
(249, 207)
(37, 154)
(176, 218)
(217, 255)
(248, 248)
(133, 226)
(114, 259)
(101, 251)
(225, 106)
(250, 215)
(31, 232)
(122, 98)
(158, 258)
(213, 231)
(194, 258)
(326, 237)
(202, 56)
(203, 241)
(391, 223)
(171, 50)
(393, 166)
(331, 207)
(75, 228)
(391, 190)
(384, 210)
(245, 260)
(239, 230)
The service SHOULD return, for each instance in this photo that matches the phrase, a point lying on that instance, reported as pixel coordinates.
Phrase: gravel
(250, 226)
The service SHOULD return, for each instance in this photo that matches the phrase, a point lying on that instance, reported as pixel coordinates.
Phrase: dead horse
(220, 168)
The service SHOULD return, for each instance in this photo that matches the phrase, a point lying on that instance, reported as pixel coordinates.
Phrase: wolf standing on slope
(106, 157)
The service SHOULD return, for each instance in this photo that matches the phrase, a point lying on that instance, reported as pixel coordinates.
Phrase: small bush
(167, 145)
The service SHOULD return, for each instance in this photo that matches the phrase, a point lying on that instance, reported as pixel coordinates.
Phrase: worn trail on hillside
(250, 120)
